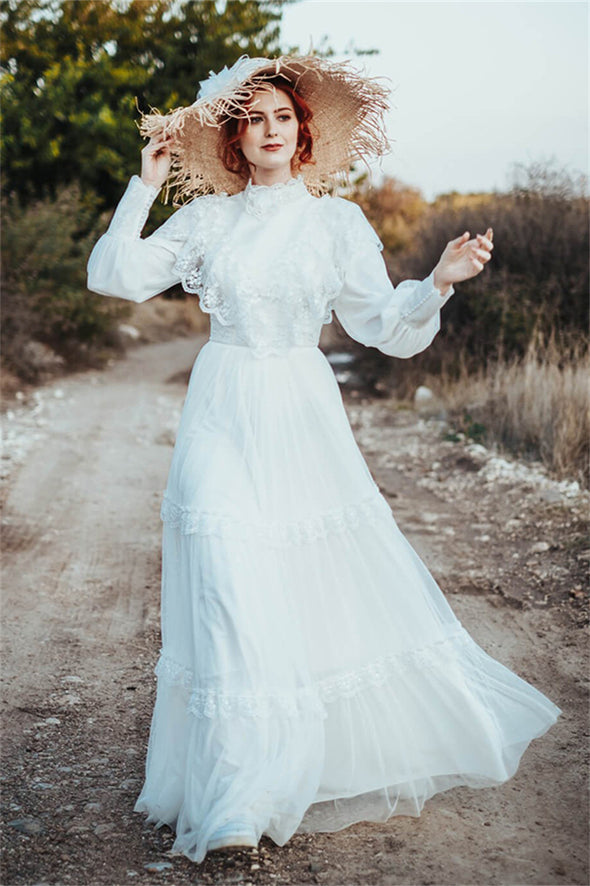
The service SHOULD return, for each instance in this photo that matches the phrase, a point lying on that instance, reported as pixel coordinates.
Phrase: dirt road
(85, 465)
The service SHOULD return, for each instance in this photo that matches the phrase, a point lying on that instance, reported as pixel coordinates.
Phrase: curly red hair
(231, 132)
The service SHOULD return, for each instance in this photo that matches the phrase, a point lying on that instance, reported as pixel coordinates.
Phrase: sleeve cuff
(133, 209)
(426, 302)
(148, 189)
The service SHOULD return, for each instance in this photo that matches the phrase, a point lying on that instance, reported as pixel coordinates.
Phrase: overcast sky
(478, 85)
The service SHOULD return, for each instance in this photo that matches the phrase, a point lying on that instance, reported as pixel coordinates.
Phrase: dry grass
(537, 406)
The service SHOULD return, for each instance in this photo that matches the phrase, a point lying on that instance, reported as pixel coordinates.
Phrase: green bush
(45, 248)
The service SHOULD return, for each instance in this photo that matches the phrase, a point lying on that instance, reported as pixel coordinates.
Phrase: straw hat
(348, 110)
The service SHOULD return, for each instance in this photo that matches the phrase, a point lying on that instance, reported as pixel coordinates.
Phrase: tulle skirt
(312, 673)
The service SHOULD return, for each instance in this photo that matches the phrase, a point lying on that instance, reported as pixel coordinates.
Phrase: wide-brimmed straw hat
(348, 123)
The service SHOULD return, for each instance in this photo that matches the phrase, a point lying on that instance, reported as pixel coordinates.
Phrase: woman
(311, 674)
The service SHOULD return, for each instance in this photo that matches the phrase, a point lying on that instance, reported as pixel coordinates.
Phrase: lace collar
(262, 200)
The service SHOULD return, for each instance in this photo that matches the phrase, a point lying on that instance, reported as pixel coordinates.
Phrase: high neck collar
(264, 199)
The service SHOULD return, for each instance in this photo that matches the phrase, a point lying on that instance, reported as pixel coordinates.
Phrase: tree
(71, 73)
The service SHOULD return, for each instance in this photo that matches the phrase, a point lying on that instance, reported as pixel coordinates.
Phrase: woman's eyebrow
(277, 111)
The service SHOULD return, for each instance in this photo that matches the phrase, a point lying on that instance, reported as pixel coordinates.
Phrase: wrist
(440, 282)
(150, 184)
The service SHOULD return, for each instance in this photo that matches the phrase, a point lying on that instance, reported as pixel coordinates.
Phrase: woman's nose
(270, 130)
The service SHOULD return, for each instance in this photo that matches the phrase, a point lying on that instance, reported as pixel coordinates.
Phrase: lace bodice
(270, 265)
(244, 260)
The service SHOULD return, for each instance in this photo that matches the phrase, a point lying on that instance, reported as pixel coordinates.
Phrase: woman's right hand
(155, 161)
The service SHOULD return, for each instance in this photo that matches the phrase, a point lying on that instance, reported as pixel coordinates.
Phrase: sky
(477, 86)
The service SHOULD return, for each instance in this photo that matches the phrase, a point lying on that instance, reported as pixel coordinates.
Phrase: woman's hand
(155, 161)
(463, 258)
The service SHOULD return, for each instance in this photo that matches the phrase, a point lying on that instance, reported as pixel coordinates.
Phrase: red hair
(231, 132)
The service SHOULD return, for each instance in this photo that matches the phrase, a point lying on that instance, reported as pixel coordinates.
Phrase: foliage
(535, 285)
(70, 73)
(73, 78)
(43, 283)
(511, 361)
(394, 209)
(537, 281)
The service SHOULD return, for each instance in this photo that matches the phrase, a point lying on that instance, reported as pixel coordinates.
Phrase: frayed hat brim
(347, 126)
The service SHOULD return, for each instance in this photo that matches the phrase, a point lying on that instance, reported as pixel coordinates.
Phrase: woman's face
(269, 140)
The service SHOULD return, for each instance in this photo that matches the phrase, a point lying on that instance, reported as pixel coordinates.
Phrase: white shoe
(233, 834)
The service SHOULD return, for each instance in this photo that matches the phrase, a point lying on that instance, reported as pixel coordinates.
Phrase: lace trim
(295, 532)
(262, 200)
(302, 301)
(172, 672)
(211, 703)
(208, 703)
(434, 656)
(211, 219)
(438, 656)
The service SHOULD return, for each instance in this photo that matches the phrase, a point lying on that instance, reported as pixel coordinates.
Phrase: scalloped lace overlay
(274, 295)
(440, 656)
(191, 521)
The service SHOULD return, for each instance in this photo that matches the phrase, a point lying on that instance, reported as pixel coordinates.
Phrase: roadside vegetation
(511, 360)
(536, 406)
(49, 318)
(73, 78)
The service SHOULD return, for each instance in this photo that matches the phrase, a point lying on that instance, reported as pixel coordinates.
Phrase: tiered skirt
(312, 673)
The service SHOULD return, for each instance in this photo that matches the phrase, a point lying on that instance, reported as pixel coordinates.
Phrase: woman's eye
(281, 117)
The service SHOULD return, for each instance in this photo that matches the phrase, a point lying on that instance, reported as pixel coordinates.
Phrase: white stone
(422, 395)
(130, 331)
(539, 547)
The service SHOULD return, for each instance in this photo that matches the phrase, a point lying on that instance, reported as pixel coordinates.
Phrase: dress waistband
(270, 350)
(230, 344)
(277, 343)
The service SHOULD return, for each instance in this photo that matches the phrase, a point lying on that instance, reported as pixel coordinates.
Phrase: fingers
(486, 240)
(475, 251)
(157, 142)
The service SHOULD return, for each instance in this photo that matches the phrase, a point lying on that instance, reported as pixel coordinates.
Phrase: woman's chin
(274, 161)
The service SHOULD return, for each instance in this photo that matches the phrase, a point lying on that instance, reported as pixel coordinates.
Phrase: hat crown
(225, 81)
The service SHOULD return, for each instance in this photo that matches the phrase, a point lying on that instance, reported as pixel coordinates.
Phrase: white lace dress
(312, 674)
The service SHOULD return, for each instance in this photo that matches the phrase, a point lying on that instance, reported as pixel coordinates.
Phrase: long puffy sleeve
(399, 321)
(124, 265)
